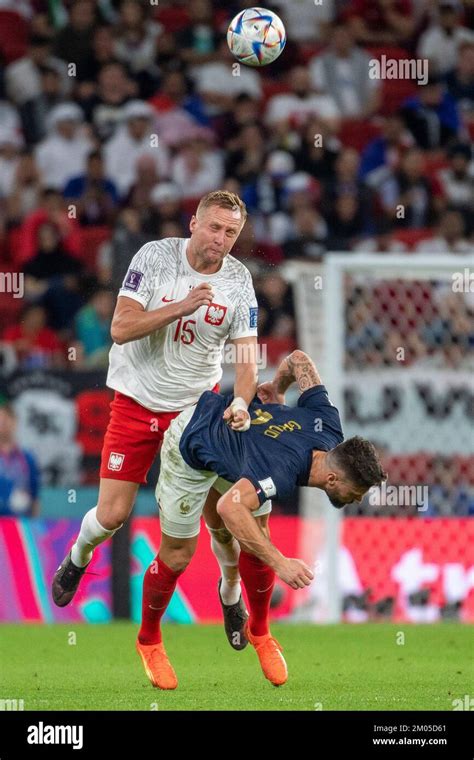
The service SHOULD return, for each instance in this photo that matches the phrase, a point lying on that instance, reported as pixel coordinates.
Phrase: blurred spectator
(136, 43)
(23, 76)
(165, 200)
(198, 167)
(307, 238)
(35, 344)
(95, 195)
(407, 194)
(175, 92)
(102, 53)
(104, 105)
(317, 151)
(381, 22)
(343, 73)
(51, 261)
(440, 42)
(51, 208)
(308, 21)
(460, 81)
(74, 41)
(147, 178)
(383, 241)
(115, 255)
(198, 43)
(450, 237)
(345, 222)
(346, 182)
(19, 471)
(294, 108)
(246, 157)
(217, 85)
(134, 138)
(25, 192)
(10, 146)
(384, 152)
(63, 154)
(432, 115)
(92, 327)
(35, 112)
(276, 311)
(457, 180)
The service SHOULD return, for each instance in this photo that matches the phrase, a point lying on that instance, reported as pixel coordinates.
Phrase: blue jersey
(275, 454)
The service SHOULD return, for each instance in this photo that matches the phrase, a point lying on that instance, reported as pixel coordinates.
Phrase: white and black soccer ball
(256, 36)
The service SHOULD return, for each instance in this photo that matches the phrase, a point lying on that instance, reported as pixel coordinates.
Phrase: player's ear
(331, 479)
(192, 223)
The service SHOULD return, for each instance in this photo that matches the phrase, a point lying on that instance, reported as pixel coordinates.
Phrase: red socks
(159, 583)
(259, 580)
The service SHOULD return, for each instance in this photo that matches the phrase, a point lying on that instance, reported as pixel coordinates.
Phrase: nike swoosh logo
(263, 590)
(156, 608)
(167, 300)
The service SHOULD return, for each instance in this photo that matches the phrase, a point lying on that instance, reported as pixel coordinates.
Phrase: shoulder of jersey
(236, 270)
(159, 251)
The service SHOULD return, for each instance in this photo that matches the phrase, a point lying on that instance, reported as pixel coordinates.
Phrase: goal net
(393, 339)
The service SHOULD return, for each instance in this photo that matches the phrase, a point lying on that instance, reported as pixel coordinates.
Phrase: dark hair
(359, 461)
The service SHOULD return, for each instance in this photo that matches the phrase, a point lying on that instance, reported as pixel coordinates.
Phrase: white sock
(91, 535)
(227, 551)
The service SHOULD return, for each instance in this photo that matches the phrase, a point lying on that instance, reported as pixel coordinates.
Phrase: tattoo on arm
(303, 371)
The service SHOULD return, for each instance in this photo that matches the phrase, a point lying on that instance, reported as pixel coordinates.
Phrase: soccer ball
(256, 37)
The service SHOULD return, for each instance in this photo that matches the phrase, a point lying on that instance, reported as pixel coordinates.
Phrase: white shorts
(181, 491)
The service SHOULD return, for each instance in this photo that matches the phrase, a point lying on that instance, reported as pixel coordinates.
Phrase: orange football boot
(271, 659)
(157, 666)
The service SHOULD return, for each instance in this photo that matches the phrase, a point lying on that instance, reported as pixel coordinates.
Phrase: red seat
(277, 349)
(394, 93)
(356, 133)
(91, 240)
(411, 237)
(13, 36)
(173, 19)
(270, 88)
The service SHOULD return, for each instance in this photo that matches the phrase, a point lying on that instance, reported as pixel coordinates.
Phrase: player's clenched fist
(201, 295)
(294, 572)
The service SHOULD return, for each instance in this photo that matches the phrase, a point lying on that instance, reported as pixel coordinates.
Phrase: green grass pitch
(340, 667)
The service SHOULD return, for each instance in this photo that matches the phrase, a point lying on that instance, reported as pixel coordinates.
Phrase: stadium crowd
(117, 115)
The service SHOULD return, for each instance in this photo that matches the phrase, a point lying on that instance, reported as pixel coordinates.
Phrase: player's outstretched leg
(259, 580)
(116, 500)
(159, 584)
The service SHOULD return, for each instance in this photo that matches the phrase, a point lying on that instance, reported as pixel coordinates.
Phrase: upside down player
(180, 301)
(283, 447)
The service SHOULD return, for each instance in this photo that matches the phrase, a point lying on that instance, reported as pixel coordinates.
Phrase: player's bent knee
(221, 508)
(177, 560)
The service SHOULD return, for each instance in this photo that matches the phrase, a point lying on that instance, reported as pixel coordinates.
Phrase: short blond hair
(223, 199)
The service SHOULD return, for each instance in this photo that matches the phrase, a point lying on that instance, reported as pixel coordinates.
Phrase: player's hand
(268, 395)
(237, 419)
(199, 296)
(294, 572)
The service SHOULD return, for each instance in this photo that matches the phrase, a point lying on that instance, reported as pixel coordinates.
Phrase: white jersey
(169, 369)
